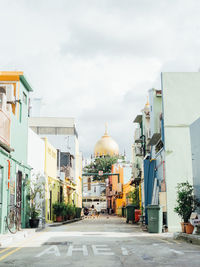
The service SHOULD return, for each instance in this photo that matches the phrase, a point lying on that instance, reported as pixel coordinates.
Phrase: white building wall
(36, 159)
(65, 143)
(36, 153)
(96, 188)
(195, 150)
(181, 96)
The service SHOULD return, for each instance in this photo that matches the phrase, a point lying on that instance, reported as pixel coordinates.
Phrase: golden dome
(106, 146)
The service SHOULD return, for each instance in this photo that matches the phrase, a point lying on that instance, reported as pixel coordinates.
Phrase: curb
(192, 239)
(65, 222)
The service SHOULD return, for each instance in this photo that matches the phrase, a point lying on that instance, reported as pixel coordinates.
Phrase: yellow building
(78, 177)
(53, 186)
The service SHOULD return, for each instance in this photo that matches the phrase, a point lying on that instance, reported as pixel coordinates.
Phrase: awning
(154, 139)
(138, 119)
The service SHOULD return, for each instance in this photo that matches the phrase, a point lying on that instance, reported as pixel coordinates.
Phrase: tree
(101, 164)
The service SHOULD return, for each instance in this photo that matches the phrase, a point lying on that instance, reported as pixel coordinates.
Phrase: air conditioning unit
(10, 93)
(3, 97)
(138, 151)
(3, 101)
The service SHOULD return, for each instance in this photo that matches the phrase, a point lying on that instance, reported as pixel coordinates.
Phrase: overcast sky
(95, 60)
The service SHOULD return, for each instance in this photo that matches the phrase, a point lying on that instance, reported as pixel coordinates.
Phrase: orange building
(114, 190)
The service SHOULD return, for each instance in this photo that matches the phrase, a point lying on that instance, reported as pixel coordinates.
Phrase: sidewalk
(193, 238)
(7, 239)
(54, 224)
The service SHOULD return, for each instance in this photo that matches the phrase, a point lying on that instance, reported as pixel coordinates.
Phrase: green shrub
(78, 212)
(58, 208)
(186, 201)
(134, 197)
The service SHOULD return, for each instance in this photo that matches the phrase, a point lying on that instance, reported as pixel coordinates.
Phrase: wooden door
(50, 206)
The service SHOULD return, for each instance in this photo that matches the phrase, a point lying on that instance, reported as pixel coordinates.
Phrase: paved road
(104, 241)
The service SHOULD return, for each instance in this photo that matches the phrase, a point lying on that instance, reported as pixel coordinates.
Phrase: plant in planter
(34, 220)
(36, 196)
(70, 212)
(134, 197)
(59, 210)
(186, 204)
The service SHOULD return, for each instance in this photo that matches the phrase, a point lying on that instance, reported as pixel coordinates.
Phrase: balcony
(68, 171)
(138, 151)
(4, 130)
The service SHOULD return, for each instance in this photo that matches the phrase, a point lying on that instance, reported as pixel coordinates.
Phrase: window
(89, 184)
(24, 98)
(14, 104)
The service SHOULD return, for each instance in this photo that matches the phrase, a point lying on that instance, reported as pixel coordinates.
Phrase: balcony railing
(4, 128)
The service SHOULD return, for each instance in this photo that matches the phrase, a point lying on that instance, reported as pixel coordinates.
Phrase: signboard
(195, 219)
(100, 173)
(195, 222)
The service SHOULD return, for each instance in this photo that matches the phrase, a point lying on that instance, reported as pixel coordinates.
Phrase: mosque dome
(106, 146)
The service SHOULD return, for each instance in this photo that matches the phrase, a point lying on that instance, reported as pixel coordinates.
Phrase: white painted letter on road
(102, 250)
(51, 250)
(124, 251)
(71, 249)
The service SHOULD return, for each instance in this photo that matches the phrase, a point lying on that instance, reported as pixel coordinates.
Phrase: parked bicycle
(12, 220)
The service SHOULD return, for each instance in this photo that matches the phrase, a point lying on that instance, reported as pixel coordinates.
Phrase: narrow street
(102, 241)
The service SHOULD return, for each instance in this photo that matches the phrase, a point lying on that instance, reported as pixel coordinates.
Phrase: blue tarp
(149, 176)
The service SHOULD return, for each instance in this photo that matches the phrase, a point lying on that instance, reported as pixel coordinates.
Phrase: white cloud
(95, 60)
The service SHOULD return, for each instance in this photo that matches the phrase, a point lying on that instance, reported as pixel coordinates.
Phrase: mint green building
(14, 171)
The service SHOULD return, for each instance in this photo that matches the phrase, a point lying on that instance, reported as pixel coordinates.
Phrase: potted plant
(36, 196)
(34, 220)
(58, 210)
(134, 197)
(70, 211)
(132, 209)
(186, 204)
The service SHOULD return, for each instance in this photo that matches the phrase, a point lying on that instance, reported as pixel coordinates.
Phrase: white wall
(195, 150)
(98, 185)
(181, 94)
(65, 143)
(36, 159)
(36, 152)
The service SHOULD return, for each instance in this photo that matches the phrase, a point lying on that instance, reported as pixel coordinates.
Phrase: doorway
(19, 196)
(50, 204)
